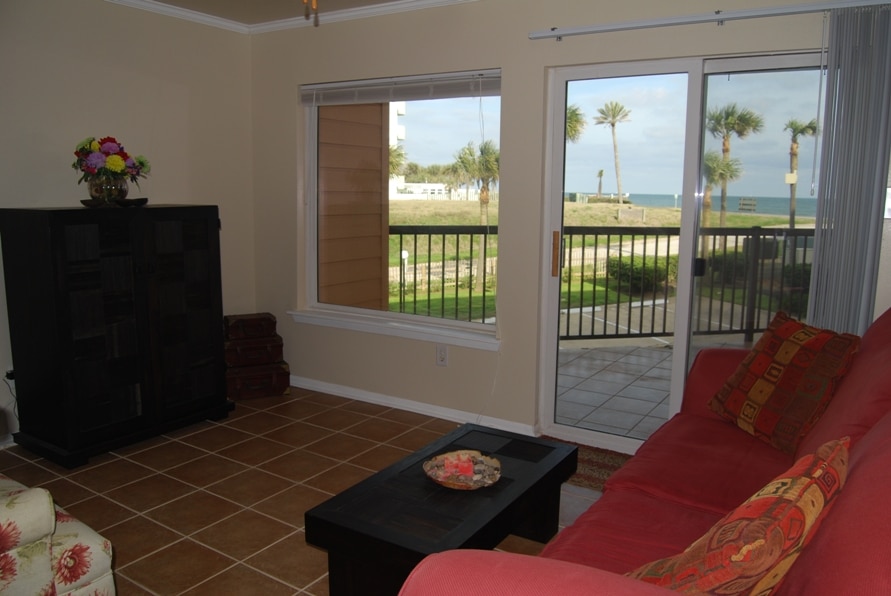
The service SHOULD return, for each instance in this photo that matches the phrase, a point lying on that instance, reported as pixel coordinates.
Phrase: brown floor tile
(244, 534)
(243, 581)
(326, 399)
(149, 492)
(255, 451)
(193, 512)
(339, 478)
(290, 505)
(259, 422)
(319, 588)
(340, 446)
(414, 439)
(336, 419)
(216, 438)
(406, 417)
(364, 407)
(298, 465)
(379, 457)
(268, 402)
(166, 455)
(299, 409)
(438, 425)
(250, 486)
(30, 474)
(206, 470)
(8, 459)
(292, 560)
(99, 512)
(140, 446)
(298, 434)
(177, 568)
(66, 493)
(136, 538)
(379, 429)
(125, 587)
(113, 474)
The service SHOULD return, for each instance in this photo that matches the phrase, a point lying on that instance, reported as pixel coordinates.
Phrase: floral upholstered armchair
(43, 550)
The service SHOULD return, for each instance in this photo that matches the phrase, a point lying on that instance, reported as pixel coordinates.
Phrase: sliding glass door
(664, 178)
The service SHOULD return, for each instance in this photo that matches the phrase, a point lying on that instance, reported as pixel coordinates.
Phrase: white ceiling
(257, 12)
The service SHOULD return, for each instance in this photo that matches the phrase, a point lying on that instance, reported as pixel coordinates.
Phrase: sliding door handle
(555, 254)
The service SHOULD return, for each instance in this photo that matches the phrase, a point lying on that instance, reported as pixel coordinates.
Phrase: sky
(651, 141)
(436, 129)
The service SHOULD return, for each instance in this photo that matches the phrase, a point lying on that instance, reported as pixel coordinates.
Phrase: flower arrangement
(106, 157)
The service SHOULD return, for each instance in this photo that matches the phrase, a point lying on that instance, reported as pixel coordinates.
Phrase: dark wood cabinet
(115, 324)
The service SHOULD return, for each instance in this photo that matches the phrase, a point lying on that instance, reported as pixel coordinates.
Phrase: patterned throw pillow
(784, 384)
(750, 550)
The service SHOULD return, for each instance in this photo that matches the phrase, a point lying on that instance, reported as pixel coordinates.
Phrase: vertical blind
(854, 171)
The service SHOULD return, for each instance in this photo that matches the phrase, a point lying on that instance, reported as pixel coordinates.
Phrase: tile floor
(614, 387)
(217, 507)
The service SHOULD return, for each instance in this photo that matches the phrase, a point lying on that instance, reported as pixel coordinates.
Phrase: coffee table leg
(540, 514)
(369, 576)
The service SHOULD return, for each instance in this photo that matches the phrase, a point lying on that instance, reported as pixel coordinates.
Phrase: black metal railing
(444, 271)
(616, 281)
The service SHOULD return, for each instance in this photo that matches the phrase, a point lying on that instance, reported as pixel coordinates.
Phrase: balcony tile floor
(614, 388)
(217, 507)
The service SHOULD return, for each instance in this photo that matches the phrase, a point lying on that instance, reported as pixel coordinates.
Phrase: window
(403, 181)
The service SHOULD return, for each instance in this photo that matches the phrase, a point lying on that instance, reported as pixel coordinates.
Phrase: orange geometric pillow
(750, 550)
(784, 384)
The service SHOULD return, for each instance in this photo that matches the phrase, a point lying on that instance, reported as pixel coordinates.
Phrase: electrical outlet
(442, 355)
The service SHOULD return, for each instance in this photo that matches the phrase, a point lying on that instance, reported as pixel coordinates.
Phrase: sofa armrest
(27, 515)
(710, 369)
(492, 573)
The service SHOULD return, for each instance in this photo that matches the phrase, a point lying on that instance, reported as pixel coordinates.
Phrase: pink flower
(73, 564)
(10, 535)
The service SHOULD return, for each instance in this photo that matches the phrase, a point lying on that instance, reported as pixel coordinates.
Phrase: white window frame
(480, 336)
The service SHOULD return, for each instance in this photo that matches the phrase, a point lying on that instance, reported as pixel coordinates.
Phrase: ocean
(805, 206)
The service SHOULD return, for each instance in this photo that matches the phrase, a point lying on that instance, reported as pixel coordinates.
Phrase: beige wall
(217, 113)
(174, 91)
(490, 33)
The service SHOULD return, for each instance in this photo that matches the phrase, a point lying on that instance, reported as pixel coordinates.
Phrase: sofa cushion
(627, 528)
(751, 548)
(849, 555)
(863, 396)
(785, 383)
(700, 462)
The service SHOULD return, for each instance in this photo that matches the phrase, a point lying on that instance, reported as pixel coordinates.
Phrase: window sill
(455, 333)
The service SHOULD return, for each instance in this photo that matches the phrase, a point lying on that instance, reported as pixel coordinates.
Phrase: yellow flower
(115, 163)
(94, 146)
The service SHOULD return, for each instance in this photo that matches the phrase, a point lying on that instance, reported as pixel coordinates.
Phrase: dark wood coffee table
(377, 531)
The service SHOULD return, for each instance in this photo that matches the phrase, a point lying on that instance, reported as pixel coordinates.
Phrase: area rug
(595, 466)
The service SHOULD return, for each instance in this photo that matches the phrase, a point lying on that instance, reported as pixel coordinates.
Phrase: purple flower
(95, 160)
(109, 148)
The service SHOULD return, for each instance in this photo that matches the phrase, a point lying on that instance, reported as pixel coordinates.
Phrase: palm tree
(716, 170)
(599, 183)
(798, 129)
(575, 123)
(397, 160)
(612, 113)
(482, 168)
(724, 123)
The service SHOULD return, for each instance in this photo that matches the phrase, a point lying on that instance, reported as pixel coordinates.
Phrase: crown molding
(292, 23)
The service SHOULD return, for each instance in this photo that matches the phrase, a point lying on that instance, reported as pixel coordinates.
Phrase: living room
(218, 113)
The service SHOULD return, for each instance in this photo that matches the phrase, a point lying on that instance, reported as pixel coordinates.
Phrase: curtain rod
(716, 17)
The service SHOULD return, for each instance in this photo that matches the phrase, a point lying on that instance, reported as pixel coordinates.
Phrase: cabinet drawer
(253, 351)
(260, 324)
(266, 380)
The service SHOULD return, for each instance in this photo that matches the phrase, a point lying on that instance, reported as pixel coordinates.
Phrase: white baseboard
(412, 406)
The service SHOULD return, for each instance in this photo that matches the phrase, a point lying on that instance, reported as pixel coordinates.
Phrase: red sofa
(690, 473)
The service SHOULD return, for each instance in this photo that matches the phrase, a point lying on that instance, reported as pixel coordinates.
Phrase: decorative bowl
(465, 469)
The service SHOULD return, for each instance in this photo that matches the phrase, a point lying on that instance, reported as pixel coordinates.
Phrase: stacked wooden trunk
(253, 353)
